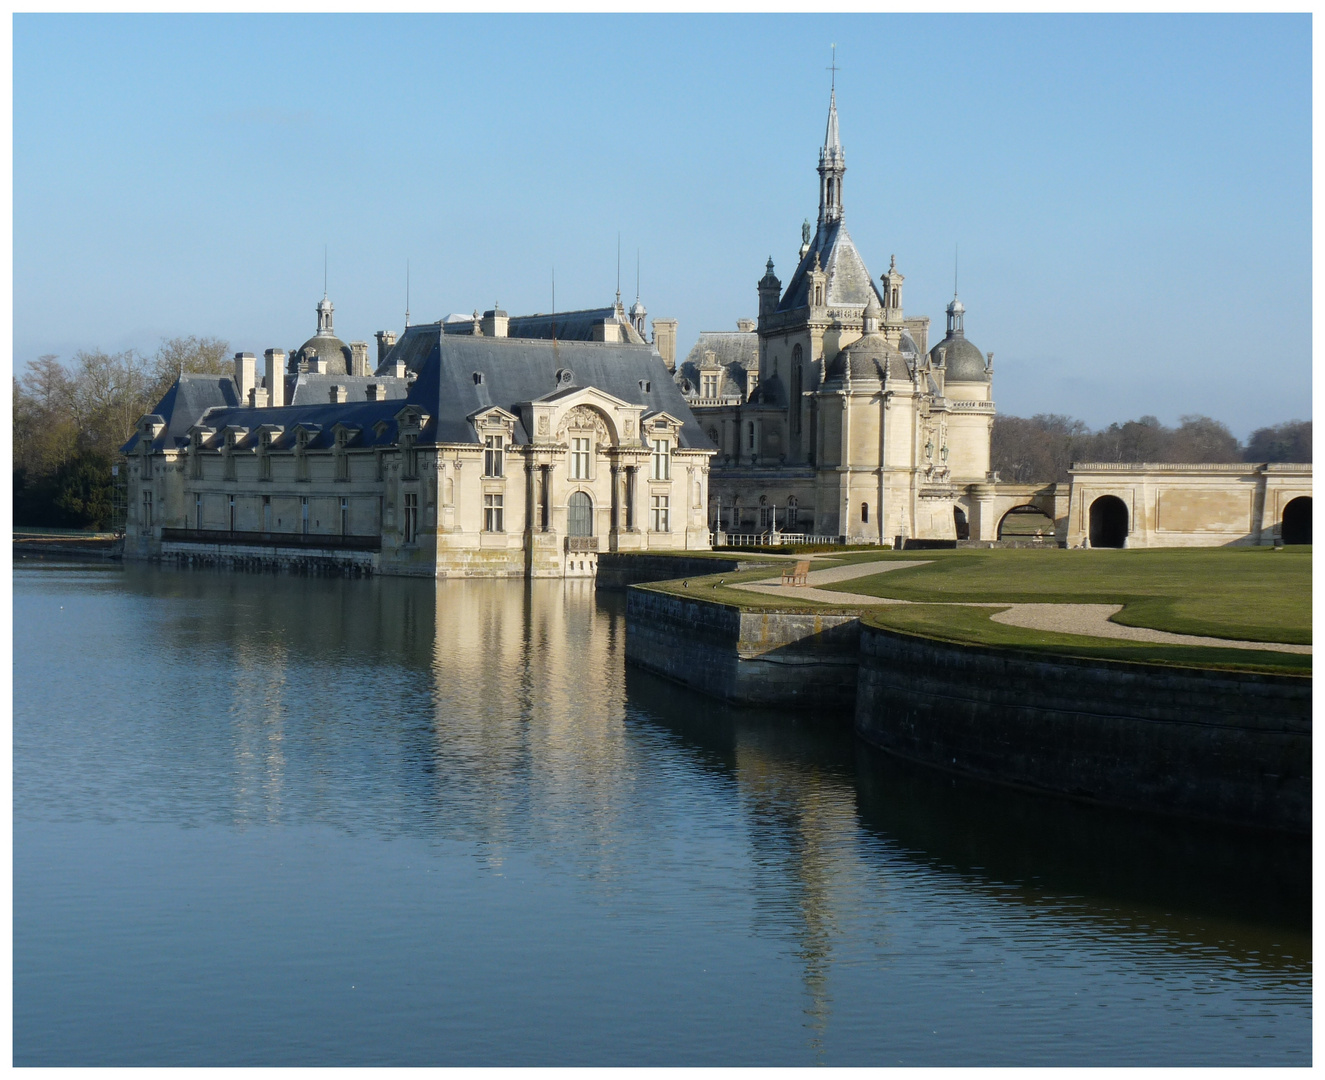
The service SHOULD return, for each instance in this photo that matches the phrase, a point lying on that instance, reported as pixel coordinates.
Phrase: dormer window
(645, 385)
(710, 390)
(478, 378)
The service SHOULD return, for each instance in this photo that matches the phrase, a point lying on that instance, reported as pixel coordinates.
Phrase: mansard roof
(308, 389)
(515, 370)
(849, 283)
(184, 404)
(568, 325)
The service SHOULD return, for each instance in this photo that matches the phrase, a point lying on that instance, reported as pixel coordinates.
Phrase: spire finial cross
(833, 66)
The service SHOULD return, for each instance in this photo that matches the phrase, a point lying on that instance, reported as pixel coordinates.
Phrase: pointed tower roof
(832, 140)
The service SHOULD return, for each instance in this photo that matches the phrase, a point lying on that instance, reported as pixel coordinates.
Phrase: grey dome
(961, 361)
(333, 352)
(868, 357)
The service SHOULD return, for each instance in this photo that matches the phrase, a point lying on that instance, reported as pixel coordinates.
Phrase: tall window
(579, 459)
(662, 460)
(579, 515)
(230, 462)
(147, 509)
(197, 511)
(411, 516)
(492, 455)
(301, 457)
(266, 462)
(793, 513)
(411, 456)
(266, 513)
(342, 464)
(344, 516)
(765, 516)
(492, 514)
(232, 513)
(303, 514)
(864, 513)
(195, 463)
(796, 357)
(660, 509)
(750, 436)
(710, 386)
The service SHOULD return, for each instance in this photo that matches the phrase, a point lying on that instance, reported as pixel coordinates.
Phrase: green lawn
(966, 624)
(1256, 594)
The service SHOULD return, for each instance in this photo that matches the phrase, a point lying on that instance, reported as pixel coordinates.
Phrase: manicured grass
(1254, 594)
(973, 625)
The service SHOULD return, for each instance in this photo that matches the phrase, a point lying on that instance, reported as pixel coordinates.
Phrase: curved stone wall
(1226, 746)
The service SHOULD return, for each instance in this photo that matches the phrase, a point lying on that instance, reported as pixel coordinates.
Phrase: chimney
(339, 394)
(375, 391)
(745, 326)
(608, 330)
(386, 339)
(359, 358)
(257, 397)
(316, 365)
(246, 373)
(664, 340)
(398, 369)
(275, 377)
(495, 323)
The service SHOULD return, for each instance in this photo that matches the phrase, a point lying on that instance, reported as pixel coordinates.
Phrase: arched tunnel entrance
(1026, 523)
(1297, 521)
(1108, 522)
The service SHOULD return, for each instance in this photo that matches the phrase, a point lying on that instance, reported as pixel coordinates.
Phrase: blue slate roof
(513, 371)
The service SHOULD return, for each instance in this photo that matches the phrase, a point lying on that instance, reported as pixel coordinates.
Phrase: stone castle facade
(831, 414)
(491, 446)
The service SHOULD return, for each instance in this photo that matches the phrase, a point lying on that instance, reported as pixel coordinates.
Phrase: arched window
(897, 295)
(579, 516)
(864, 513)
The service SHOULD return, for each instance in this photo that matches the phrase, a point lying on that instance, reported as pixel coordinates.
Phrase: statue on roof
(805, 231)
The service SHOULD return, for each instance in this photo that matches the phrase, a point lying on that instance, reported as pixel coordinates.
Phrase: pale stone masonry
(468, 452)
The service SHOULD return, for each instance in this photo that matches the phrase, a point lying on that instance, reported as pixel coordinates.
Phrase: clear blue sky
(1131, 195)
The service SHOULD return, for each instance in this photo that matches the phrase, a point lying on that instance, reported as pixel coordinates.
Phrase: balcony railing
(581, 543)
(325, 541)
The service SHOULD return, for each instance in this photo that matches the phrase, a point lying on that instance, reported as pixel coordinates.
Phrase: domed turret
(960, 359)
(324, 350)
(869, 356)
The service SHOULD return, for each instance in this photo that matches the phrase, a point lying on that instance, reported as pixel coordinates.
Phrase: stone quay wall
(619, 570)
(1226, 746)
(799, 660)
(272, 559)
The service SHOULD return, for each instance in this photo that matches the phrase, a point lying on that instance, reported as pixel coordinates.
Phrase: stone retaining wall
(804, 661)
(1226, 746)
(619, 569)
(257, 558)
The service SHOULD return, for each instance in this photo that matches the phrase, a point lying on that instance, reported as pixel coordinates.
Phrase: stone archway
(962, 525)
(1108, 522)
(1026, 523)
(1297, 521)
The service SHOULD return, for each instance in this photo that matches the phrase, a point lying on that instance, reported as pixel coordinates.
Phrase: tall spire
(832, 161)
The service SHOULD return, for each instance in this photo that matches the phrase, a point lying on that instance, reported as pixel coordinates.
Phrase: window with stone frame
(493, 513)
(793, 513)
(195, 459)
(231, 466)
(342, 458)
(660, 513)
(710, 386)
(411, 522)
(147, 510)
(410, 458)
(662, 460)
(579, 459)
(264, 456)
(494, 455)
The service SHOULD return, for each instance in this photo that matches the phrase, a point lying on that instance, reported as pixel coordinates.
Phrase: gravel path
(1088, 620)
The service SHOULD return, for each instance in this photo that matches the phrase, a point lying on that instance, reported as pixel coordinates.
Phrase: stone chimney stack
(398, 369)
(246, 373)
(316, 365)
(375, 392)
(745, 326)
(275, 377)
(257, 397)
(495, 323)
(386, 339)
(664, 340)
(359, 358)
(339, 394)
(608, 330)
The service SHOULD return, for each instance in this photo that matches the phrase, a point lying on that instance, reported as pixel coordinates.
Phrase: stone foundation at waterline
(1221, 745)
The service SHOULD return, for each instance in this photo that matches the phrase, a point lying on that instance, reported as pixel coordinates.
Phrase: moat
(264, 819)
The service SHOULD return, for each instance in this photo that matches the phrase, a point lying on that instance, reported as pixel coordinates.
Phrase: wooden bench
(797, 575)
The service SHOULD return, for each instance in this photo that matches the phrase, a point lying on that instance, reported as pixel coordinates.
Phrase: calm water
(269, 820)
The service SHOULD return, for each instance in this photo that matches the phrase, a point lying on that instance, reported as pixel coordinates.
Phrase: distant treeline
(70, 421)
(1042, 448)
